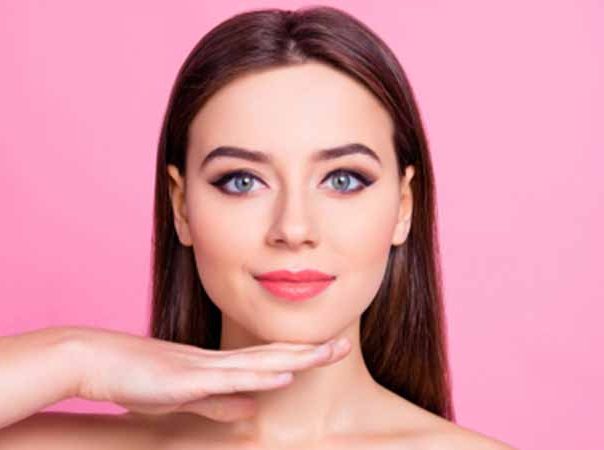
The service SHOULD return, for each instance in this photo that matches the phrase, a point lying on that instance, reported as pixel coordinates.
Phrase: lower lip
(295, 291)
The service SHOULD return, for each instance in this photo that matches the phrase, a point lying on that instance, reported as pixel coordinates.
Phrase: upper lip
(299, 276)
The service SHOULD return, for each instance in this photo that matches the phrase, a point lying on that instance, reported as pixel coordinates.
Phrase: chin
(294, 331)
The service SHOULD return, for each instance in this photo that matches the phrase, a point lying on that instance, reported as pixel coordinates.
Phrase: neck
(320, 402)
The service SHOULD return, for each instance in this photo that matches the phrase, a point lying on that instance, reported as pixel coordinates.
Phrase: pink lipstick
(295, 286)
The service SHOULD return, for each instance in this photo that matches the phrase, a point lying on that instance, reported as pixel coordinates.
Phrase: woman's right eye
(242, 180)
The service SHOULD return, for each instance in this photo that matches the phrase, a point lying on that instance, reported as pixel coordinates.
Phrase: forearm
(37, 369)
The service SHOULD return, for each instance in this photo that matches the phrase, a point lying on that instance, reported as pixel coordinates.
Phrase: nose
(293, 224)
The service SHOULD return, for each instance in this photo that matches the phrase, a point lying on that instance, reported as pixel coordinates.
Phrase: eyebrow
(264, 158)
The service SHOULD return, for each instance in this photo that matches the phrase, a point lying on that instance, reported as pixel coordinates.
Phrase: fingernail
(324, 348)
(283, 377)
(342, 344)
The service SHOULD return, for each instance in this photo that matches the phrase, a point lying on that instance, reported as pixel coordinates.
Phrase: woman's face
(289, 212)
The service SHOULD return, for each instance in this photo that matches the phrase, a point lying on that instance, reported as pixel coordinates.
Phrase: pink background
(512, 98)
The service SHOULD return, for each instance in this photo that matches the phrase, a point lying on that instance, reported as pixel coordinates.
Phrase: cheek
(361, 234)
(223, 235)
(361, 238)
(223, 239)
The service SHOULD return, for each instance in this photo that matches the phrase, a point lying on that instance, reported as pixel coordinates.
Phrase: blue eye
(243, 180)
(343, 179)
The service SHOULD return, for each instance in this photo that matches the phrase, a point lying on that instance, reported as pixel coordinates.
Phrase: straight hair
(403, 333)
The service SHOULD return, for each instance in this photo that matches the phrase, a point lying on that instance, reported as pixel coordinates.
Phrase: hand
(154, 376)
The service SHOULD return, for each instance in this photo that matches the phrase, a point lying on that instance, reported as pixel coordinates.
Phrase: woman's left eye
(341, 180)
(343, 177)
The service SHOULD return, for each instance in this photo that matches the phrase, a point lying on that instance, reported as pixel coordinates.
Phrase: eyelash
(228, 176)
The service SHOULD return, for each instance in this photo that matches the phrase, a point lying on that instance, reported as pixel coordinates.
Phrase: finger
(151, 409)
(277, 346)
(194, 349)
(224, 408)
(264, 347)
(276, 360)
(211, 381)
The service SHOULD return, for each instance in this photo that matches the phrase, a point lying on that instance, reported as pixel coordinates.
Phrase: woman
(294, 204)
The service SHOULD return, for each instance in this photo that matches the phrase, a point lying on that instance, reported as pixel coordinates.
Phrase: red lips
(302, 276)
(295, 286)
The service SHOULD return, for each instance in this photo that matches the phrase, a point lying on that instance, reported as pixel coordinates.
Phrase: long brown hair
(403, 334)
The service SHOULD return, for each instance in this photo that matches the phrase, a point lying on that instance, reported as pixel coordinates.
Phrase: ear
(403, 224)
(179, 207)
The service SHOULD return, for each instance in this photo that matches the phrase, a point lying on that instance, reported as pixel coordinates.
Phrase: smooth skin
(291, 214)
(152, 378)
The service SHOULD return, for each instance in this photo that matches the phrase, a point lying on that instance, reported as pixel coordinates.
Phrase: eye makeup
(363, 178)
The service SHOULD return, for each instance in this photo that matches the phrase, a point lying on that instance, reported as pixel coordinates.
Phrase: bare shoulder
(417, 428)
(67, 431)
(457, 438)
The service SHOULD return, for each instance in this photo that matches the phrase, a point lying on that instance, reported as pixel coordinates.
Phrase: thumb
(222, 407)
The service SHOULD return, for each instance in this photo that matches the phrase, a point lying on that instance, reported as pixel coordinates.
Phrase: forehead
(292, 110)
